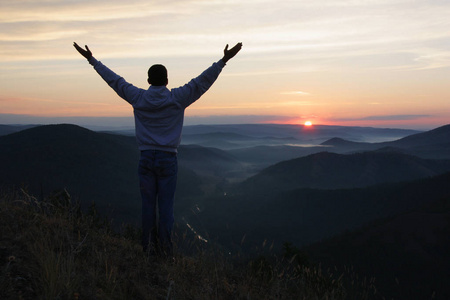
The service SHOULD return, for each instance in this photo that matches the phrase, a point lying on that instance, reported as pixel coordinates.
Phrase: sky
(379, 63)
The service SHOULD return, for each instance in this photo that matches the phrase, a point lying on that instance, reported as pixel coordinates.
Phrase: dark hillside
(92, 166)
(263, 156)
(49, 249)
(437, 136)
(305, 216)
(408, 254)
(331, 171)
(433, 144)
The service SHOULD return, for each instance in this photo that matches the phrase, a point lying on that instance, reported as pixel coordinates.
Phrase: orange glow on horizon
(308, 123)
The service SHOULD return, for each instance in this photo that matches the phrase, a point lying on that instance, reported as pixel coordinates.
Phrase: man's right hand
(229, 54)
(86, 53)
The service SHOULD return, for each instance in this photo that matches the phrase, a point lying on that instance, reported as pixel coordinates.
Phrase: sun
(308, 123)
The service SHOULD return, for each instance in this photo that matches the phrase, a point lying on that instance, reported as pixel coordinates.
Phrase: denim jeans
(158, 180)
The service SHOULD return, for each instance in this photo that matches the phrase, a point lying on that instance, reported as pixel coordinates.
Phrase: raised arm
(191, 91)
(124, 89)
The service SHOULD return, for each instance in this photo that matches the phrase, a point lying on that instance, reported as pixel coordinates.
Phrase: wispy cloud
(296, 93)
(68, 11)
(305, 31)
(385, 118)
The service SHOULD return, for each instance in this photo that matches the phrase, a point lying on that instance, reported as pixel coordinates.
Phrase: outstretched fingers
(228, 54)
(86, 53)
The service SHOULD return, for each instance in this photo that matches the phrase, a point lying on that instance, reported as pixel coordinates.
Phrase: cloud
(67, 11)
(296, 93)
(385, 118)
(291, 32)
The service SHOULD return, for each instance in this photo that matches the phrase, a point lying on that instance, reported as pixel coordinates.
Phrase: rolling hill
(430, 144)
(306, 216)
(260, 157)
(93, 167)
(327, 170)
(433, 144)
(298, 133)
(406, 253)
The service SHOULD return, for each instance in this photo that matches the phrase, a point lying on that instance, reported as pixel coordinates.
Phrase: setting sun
(308, 123)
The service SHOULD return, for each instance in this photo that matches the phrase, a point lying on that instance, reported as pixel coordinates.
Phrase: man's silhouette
(158, 115)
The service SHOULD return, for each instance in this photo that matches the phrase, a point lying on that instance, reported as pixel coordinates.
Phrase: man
(159, 114)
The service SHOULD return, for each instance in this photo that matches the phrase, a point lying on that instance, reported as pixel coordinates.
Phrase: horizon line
(128, 121)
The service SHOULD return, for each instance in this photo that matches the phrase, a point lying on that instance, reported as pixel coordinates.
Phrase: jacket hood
(155, 96)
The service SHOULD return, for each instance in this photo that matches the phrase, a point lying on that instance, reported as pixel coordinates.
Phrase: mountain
(306, 216)
(247, 136)
(406, 253)
(301, 133)
(438, 136)
(261, 145)
(92, 166)
(433, 144)
(260, 157)
(327, 170)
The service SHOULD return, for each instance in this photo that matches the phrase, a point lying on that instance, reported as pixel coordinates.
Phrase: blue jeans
(158, 180)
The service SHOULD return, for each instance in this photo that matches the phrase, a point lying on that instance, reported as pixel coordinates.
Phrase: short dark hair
(157, 75)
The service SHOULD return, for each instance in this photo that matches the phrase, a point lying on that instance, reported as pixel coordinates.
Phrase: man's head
(157, 75)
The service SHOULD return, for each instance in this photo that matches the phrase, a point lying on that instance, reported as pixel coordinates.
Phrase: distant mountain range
(262, 185)
(391, 162)
(433, 144)
(300, 133)
(228, 137)
(98, 166)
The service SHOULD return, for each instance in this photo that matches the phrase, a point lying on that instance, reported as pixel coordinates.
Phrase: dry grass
(52, 250)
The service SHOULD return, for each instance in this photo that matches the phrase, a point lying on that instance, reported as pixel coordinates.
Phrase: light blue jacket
(158, 111)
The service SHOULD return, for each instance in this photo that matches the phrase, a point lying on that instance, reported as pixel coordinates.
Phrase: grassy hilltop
(52, 250)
